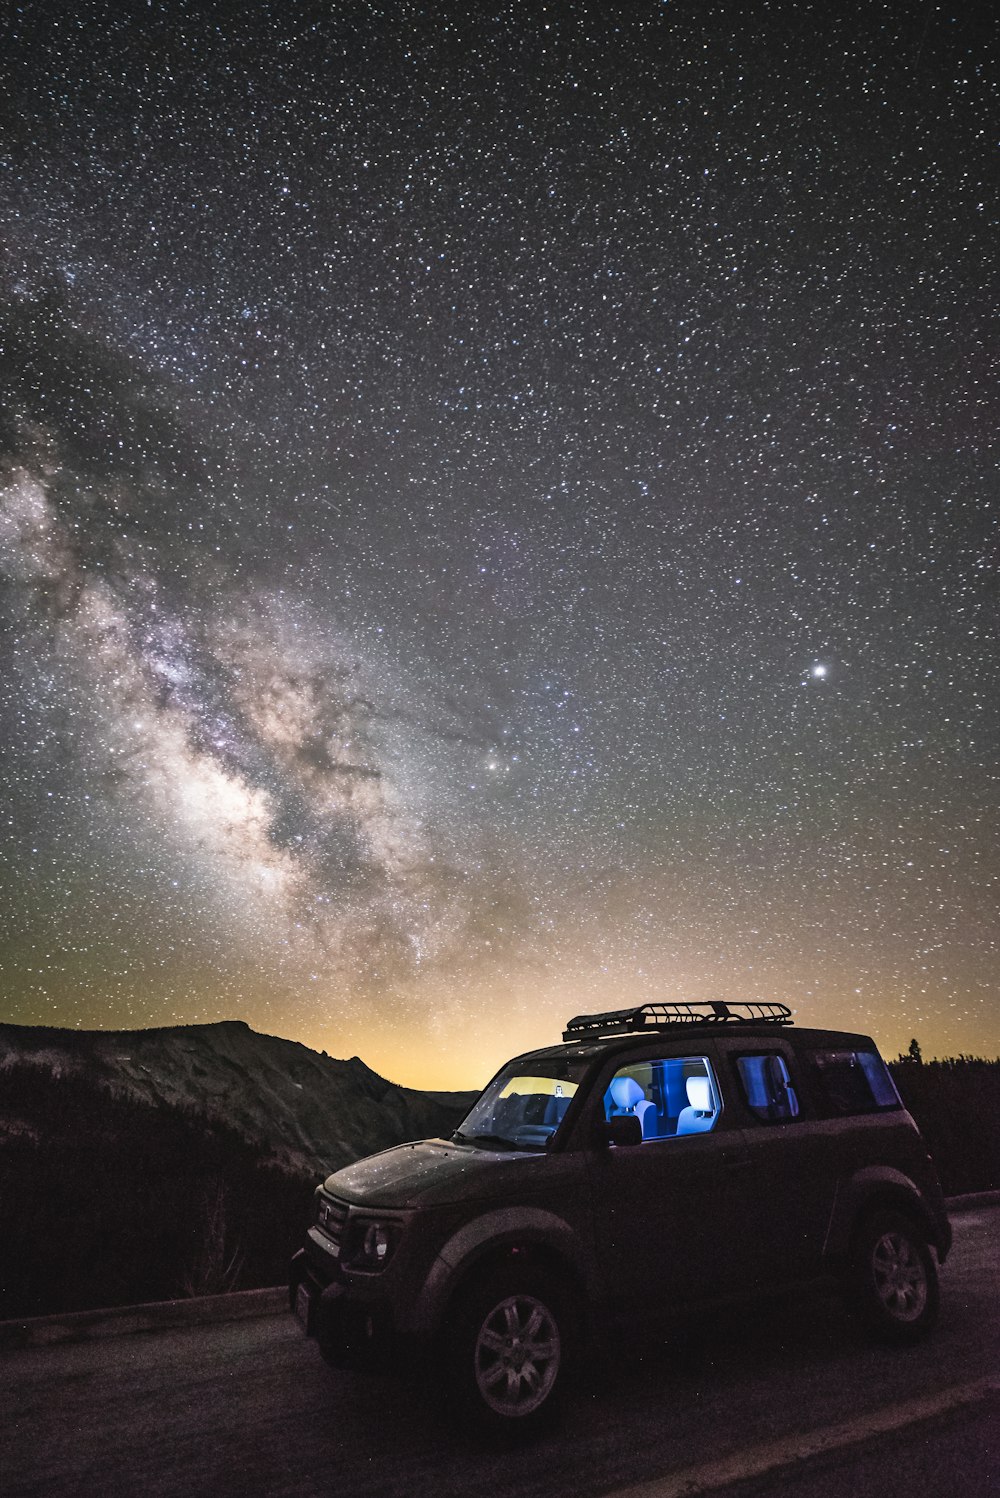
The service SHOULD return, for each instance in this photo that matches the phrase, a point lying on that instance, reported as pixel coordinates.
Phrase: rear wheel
(506, 1353)
(893, 1281)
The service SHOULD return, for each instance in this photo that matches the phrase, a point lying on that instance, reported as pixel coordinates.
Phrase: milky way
(498, 516)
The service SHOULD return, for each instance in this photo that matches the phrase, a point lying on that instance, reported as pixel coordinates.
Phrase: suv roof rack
(659, 1017)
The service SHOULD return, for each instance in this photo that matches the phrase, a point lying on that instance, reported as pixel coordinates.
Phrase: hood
(433, 1172)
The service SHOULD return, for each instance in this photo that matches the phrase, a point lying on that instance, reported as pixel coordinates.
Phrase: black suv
(662, 1159)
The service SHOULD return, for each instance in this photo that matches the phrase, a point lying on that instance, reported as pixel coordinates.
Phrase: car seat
(628, 1097)
(699, 1115)
(555, 1110)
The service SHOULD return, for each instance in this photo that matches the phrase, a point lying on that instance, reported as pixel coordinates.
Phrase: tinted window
(670, 1097)
(854, 1082)
(768, 1087)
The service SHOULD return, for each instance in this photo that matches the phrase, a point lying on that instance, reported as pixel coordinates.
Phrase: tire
(893, 1281)
(506, 1353)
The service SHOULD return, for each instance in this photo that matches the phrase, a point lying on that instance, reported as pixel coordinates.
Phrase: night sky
(499, 518)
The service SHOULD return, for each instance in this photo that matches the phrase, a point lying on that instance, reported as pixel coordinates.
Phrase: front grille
(331, 1217)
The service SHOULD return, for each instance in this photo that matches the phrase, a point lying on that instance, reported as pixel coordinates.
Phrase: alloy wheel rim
(900, 1277)
(517, 1357)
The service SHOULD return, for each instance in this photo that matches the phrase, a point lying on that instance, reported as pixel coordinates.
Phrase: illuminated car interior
(669, 1097)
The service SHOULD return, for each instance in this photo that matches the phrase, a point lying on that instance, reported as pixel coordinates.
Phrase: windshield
(524, 1105)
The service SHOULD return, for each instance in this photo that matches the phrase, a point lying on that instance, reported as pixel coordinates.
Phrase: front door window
(671, 1097)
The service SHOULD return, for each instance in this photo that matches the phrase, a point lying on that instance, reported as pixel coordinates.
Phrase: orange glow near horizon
(455, 1037)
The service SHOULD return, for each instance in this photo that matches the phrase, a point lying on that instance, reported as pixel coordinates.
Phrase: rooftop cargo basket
(660, 1017)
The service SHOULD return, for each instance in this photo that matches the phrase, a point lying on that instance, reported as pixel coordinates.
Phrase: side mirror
(622, 1129)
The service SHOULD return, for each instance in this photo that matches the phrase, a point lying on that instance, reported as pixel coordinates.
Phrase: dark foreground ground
(247, 1408)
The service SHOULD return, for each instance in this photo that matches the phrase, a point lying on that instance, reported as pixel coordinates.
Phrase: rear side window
(854, 1082)
(767, 1087)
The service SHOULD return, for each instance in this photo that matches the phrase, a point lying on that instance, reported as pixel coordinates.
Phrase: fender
(498, 1229)
(885, 1186)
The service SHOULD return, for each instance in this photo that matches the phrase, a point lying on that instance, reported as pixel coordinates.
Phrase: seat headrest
(699, 1091)
(626, 1092)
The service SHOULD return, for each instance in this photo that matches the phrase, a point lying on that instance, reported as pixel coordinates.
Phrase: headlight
(372, 1244)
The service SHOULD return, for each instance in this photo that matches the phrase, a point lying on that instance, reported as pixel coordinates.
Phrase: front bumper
(349, 1332)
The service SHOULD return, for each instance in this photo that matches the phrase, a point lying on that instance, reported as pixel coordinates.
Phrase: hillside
(108, 1200)
(146, 1164)
(310, 1112)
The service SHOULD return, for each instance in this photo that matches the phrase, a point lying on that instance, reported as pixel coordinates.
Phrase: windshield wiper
(493, 1141)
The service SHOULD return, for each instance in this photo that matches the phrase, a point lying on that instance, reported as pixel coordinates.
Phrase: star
(478, 539)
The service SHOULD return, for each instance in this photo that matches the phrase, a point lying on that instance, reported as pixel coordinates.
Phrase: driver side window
(671, 1097)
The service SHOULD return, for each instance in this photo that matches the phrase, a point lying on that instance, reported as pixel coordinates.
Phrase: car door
(791, 1171)
(670, 1213)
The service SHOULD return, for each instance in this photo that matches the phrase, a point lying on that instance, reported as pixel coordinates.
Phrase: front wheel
(892, 1278)
(506, 1354)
